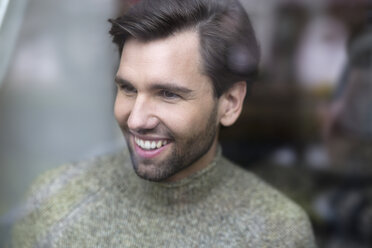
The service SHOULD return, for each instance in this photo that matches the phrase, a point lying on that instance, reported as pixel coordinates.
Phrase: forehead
(173, 59)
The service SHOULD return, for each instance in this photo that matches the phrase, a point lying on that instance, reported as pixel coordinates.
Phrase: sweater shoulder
(88, 175)
(262, 211)
(56, 193)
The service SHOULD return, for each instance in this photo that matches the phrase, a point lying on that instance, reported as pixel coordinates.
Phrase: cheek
(186, 120)
(121, 110)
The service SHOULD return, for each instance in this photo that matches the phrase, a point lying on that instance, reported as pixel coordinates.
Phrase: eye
(128, 89)
(169, 95)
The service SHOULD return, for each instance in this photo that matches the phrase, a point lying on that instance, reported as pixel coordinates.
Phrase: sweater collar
(188, 190)
(194, 177)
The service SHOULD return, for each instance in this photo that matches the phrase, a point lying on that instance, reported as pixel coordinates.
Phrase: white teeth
(158, 145)
(150, 145)
(147, 144)
(153, 145)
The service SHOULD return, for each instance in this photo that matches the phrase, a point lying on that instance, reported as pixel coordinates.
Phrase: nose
(142, 115)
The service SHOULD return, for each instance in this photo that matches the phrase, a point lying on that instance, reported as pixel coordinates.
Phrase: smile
(150, 144)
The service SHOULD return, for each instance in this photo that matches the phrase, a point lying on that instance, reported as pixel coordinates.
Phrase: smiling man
(182, 74)
(167, 109)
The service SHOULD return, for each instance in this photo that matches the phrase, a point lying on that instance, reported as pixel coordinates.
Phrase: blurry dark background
(306, 126)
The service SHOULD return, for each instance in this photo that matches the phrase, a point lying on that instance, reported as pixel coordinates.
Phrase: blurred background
(306, 127)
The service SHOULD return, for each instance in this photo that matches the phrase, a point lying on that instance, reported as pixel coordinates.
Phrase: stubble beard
(185, 153)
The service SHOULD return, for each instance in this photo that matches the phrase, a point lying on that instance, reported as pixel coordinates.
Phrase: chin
(152, 172)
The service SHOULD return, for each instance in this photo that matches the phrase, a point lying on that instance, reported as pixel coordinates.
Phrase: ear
(231, 103)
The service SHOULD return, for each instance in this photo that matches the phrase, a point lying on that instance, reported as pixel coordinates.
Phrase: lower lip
(149, 153)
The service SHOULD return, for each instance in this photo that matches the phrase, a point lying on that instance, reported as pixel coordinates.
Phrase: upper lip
(145, 137)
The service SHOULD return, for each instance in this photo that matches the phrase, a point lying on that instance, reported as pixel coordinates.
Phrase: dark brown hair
(228, 45)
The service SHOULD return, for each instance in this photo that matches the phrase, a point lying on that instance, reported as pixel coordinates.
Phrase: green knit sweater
(102, 203)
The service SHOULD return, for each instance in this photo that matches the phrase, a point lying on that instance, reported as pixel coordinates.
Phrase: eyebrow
(158, 86)
(170, 87)
(122, 81)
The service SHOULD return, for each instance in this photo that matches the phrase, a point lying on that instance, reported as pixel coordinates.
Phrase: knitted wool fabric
(102, 203)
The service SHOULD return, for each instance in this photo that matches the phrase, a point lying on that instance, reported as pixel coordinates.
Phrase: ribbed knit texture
(102, 203)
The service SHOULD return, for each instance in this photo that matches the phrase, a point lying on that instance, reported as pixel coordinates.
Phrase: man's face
(166, 108)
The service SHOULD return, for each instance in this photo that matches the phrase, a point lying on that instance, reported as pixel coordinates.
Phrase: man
(182, 74)
(347, 127)
(348, 118)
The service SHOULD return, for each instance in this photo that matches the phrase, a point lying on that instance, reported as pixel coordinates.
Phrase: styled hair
(228, 46)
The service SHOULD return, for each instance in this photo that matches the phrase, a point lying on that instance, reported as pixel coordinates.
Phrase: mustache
(160, 130)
